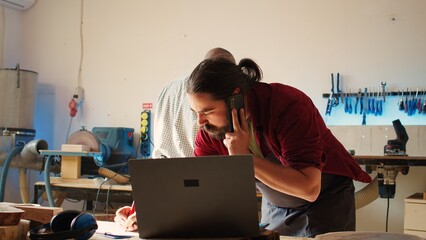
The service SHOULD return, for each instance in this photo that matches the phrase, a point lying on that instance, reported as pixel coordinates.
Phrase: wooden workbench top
(86, 183)
(391, 160)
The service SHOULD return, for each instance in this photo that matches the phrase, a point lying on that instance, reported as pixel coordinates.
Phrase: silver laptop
(197, 197)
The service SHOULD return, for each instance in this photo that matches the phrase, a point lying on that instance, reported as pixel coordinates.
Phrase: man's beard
(216, 132)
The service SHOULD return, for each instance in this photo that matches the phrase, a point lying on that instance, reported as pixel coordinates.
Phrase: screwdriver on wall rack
(401, 102)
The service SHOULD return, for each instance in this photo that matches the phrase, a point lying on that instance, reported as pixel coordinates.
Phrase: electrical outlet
(78, 95)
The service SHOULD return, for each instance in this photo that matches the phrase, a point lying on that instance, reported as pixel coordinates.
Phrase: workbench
(87, 189)
(391, 160)
(113, 228)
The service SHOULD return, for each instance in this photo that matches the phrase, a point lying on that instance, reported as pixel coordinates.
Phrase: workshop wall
(132, 48)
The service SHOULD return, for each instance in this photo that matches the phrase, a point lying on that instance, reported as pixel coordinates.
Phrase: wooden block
(16, 232)
(71, 166)
(39, 214)
(424, 196)
(75, 148)
(9, 215)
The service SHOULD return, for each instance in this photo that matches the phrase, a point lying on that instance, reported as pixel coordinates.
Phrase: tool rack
(354, 94)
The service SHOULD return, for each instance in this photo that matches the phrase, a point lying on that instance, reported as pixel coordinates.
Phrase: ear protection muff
(68, 224)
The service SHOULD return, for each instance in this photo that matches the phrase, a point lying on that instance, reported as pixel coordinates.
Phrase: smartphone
(235, 101)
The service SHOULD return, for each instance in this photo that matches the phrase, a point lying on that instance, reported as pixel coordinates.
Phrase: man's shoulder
(174, 88)
(178, 82)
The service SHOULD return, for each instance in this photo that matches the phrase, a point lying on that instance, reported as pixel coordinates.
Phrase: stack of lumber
(15, 219)
(11, 225)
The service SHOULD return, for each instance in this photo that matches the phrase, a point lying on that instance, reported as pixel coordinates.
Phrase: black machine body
(397, 147)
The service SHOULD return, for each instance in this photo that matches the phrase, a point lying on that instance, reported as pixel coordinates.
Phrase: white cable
(79, 80)
(2, 36)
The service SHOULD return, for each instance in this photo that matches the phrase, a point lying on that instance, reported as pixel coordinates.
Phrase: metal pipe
(29, 157)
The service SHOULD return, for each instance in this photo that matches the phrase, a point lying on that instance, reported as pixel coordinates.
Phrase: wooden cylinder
(15, 232)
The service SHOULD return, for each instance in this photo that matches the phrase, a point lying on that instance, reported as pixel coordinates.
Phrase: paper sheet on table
(113, 228)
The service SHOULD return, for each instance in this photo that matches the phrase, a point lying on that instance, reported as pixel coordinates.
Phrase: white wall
(132, 48)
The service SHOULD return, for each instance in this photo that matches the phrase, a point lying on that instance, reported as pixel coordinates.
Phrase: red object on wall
(73, 108)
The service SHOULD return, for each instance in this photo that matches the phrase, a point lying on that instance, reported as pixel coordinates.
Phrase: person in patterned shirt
(175, 127)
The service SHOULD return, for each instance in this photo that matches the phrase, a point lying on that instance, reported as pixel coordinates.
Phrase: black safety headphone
(65, 225)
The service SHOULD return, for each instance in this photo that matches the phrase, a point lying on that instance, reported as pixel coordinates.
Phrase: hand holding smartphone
(235, 101)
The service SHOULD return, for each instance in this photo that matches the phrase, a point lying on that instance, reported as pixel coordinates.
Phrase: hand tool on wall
(368, 107)
(380, 107)
(346, 103)
(330, 99)
(383, 91)
(406, 102)
(364, 112)
(335, 98)
(419, 103)
(329, 105)
(379, 104)
(349, 103)
(414, 103)
(421, 107)
(372, 103)
(339, 93)
(401, 102)
(357, 100)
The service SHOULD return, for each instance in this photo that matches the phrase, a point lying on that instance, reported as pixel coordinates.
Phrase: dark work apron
(334, 209)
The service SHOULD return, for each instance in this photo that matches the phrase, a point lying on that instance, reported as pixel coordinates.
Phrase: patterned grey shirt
(175, 125)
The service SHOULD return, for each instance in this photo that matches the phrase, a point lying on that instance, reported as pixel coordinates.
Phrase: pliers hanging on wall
(339, 93)
(379, 104)
(348, 103)
(333, 100)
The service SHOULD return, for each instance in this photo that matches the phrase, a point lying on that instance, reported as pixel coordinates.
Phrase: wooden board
(39, 214)
(75, 148)
(9, 215)
(33, 212)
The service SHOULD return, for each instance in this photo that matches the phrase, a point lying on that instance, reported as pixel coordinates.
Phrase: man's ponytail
(251, 69)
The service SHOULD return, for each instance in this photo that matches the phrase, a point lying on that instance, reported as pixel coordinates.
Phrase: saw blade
(85, 137)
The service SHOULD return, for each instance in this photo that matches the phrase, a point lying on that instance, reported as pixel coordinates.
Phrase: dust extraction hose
(47, 181)
(367, 195)
(5, 170)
